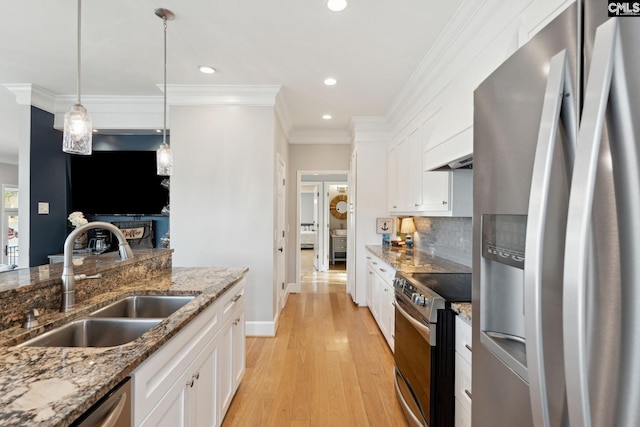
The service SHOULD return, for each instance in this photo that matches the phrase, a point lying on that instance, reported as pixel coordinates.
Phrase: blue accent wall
(48, 184)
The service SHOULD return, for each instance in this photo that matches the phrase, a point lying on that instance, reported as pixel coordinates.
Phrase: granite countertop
(419, 261)
(53, 386)
(44, 275)
(416, 260)
(463, 309)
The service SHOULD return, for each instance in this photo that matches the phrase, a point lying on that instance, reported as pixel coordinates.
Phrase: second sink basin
(143, 306)
(94, 333)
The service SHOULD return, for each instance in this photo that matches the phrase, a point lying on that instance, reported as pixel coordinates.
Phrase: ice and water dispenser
(502, 327)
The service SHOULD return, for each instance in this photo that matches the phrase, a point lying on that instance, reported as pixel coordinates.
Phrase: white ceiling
(372, 48)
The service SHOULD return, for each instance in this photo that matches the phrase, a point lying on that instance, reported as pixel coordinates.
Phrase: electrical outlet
(43, 208)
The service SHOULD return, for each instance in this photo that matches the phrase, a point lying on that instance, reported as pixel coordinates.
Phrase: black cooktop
(452, 287)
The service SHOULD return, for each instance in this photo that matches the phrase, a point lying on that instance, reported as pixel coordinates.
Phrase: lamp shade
(78, 131)
(407, 226)
(164, 160)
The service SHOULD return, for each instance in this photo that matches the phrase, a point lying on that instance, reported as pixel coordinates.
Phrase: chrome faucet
(68, 277)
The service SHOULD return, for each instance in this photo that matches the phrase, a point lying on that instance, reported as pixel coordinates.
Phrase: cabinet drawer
(463, 418)
(340, 246)
(463, 382)
(387, 272)
(463, 339)
(231, 299)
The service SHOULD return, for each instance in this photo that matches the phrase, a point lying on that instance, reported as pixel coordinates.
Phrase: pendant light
(78, 129)
(164, 156)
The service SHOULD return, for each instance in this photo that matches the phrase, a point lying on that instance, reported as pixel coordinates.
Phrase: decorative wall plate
(338, 206)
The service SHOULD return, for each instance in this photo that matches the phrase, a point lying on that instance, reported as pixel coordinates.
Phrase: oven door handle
(424, 330)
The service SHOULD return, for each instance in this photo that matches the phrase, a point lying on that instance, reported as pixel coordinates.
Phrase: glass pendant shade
(78, 131)
(164, 160)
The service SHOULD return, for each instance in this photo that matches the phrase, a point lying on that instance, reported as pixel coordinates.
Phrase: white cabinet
(463, 374)
(380, 276)
(368, 184)
(231, 364)
(188, 400)
(182, 383)
(448, 193)
(393, 171)
(413, 168)
(370, 273)
(406, 187)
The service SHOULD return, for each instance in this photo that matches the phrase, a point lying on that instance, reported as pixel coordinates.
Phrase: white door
(9, 225)
(280, 235)
(317, 202)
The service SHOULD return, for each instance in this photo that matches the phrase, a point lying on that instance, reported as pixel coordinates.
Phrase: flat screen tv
(117, 183)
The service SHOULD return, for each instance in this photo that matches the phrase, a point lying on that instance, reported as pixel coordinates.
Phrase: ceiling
(371, 48)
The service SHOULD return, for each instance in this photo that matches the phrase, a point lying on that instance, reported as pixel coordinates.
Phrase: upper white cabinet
(396, 192)
(406, 189)
(448, 193)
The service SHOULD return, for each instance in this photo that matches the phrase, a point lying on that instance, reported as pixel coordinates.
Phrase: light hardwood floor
(329, 365)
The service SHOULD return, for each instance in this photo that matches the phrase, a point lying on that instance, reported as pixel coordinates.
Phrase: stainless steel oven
(424, 344)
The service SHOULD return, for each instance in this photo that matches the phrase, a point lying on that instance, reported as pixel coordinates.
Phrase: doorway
(318, 250)
(10, 227)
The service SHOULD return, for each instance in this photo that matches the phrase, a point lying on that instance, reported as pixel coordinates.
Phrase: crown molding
(319, 137)
(242, 95)
(112, 112)
(30, 94)
(436, 58)
(370, 129)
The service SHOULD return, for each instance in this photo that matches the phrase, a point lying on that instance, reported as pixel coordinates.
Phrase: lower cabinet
(231, 363)
(380, 289)
(463, 374)
(191, 379)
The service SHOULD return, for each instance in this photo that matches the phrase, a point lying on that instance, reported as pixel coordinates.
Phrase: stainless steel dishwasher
(113, 410)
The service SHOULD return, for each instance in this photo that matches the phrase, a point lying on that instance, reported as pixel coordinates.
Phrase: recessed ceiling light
(206, 69)
(337, 5)
(330, 81)
(327, 117)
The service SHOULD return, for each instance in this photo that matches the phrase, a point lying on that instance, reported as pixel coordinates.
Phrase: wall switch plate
(43, 208)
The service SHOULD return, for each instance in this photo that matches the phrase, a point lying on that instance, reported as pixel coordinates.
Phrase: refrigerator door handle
(559, 101)
(578, 239)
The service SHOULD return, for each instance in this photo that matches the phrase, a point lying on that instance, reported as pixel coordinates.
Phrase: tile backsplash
(446, 237)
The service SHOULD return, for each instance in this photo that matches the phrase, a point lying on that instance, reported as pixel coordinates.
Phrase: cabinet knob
(197, 375)
(190, 383)
(468, 347)
(416, 204)
(444, 202)
(468, 393)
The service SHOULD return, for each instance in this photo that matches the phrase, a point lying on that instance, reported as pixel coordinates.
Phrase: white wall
(8, 174)
(222, 195)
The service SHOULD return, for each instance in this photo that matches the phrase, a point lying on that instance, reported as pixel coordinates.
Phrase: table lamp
(408, 227)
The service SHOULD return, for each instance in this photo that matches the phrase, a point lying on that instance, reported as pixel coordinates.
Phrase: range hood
(462, 162)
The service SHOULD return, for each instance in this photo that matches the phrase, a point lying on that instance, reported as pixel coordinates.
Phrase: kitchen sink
(93, 333)
(143, 306)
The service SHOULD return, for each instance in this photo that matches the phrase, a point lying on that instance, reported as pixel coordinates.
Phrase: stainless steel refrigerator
(556, 228)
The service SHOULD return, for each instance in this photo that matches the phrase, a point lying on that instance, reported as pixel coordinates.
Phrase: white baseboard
(261, 329)
(293, 288)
